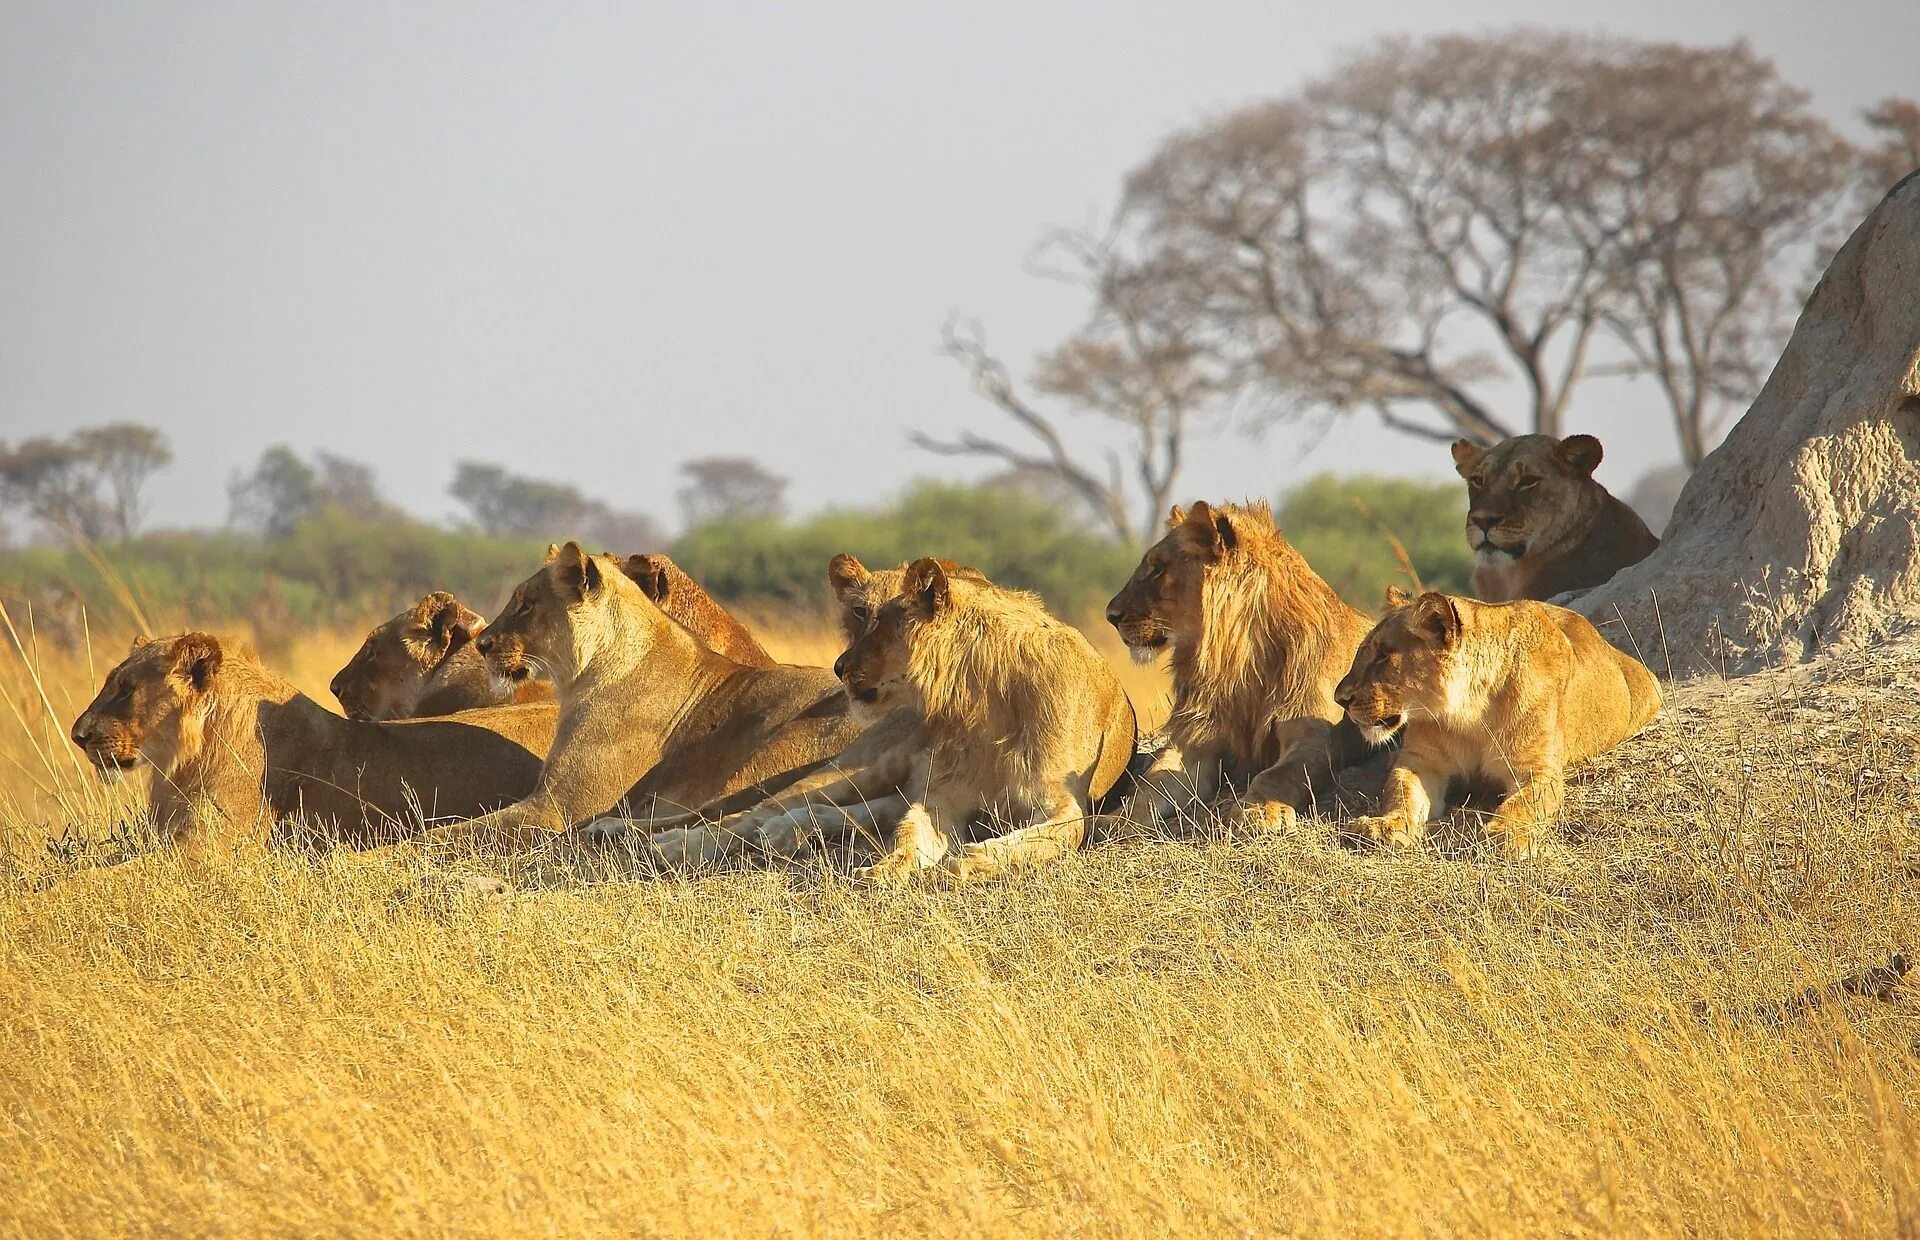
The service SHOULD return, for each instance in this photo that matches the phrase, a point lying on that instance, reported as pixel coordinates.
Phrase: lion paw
(686, 848)
(892, 870)
(1383, 831)
(1265, 818)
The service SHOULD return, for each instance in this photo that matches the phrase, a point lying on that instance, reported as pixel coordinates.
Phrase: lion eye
(860, 615)
(1155, 571)
(1527, 485)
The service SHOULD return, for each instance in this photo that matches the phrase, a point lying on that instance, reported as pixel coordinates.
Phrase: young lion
(650, 718)
(855, 790)
(1507, 694)
(1024, 721)
(222, 732)
(1538, 523)
(1259, 641)
(422, 662)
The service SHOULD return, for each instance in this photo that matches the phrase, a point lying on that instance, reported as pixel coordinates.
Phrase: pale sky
(591, 241)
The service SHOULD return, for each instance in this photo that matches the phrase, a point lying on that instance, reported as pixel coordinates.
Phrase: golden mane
(1267, 641)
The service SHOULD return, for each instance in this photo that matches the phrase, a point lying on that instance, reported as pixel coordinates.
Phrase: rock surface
(1801, 533)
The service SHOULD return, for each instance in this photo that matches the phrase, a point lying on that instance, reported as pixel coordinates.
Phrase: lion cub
(1024, 721)
(1509, 694)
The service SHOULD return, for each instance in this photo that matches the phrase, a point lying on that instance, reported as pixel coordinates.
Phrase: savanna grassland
(1205, 1036)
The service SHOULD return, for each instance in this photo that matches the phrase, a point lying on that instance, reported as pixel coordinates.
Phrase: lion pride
(1259, 641)
(1500, 694)
(1537, 521)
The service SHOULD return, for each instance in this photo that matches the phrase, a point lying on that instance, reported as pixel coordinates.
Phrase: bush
(1014, 539)
(1341, 524)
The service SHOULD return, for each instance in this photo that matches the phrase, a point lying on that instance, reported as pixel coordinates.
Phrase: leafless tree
(730, 486)
(1135, 363)
(1441, 221)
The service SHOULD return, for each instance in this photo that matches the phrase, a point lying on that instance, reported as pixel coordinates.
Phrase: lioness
(1258, 641)
(1538, 523)
(1024, 722)
(422, 661)
(221, 731)
(651, 719)
(1500, 694)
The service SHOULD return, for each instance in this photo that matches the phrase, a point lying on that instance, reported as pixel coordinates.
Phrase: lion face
(874, 666)
(386, 676)
(861, 593)
(1523, 492)
(139, 710)
(1161, 602)
(533, 636)
(1402, 666)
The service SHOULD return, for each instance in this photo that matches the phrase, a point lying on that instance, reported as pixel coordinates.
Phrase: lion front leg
(1527, 810)
(1413, 790)
(918, 844)
(1275, 796)
(511, 828)
(1050, 834)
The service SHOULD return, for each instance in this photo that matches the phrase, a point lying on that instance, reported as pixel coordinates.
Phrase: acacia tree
(89, 484)
(1442, 223)
(508, 505)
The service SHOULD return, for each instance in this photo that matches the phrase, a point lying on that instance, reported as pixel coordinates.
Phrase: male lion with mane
(1538, 523)
(1500, 694)
(223, 734)
(1258, 642)
(1025, 723)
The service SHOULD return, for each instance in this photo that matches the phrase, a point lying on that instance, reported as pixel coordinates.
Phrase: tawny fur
(1536, 495)
(1499, 695)
(651, 720)
(234, 747)
(1024, 722)
(1258, 642)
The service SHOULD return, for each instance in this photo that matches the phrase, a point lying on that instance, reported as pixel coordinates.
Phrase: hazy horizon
(649, 236)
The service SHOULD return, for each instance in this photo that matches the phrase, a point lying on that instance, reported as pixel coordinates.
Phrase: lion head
(1403, 665)
(1528, 492)
(860, 593)
(874, 665)
(1164, 601)
(534, 636)
(387, 675)
(149, 703)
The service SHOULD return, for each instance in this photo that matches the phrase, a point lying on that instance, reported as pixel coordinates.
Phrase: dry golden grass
(1278, 1036)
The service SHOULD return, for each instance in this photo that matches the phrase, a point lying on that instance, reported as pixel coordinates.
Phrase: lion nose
(1343, 695)
(484, 643)
(1485, 520)
(81, 733)
(840, 666)
(1115, 616)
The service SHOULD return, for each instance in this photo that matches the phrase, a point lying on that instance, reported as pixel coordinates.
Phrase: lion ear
(196, 657)
(927, 584)
(140, 641)
(845, 573)
(573, 572)
(1580, 453)
(553, 553)
(1396, 599)
(448, 616)
(1175, 518)
(650, 574)
(1213, 529)
(1467, 456)
(1438, 616)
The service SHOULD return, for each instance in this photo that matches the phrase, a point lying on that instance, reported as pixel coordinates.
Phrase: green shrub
(1341, 524)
